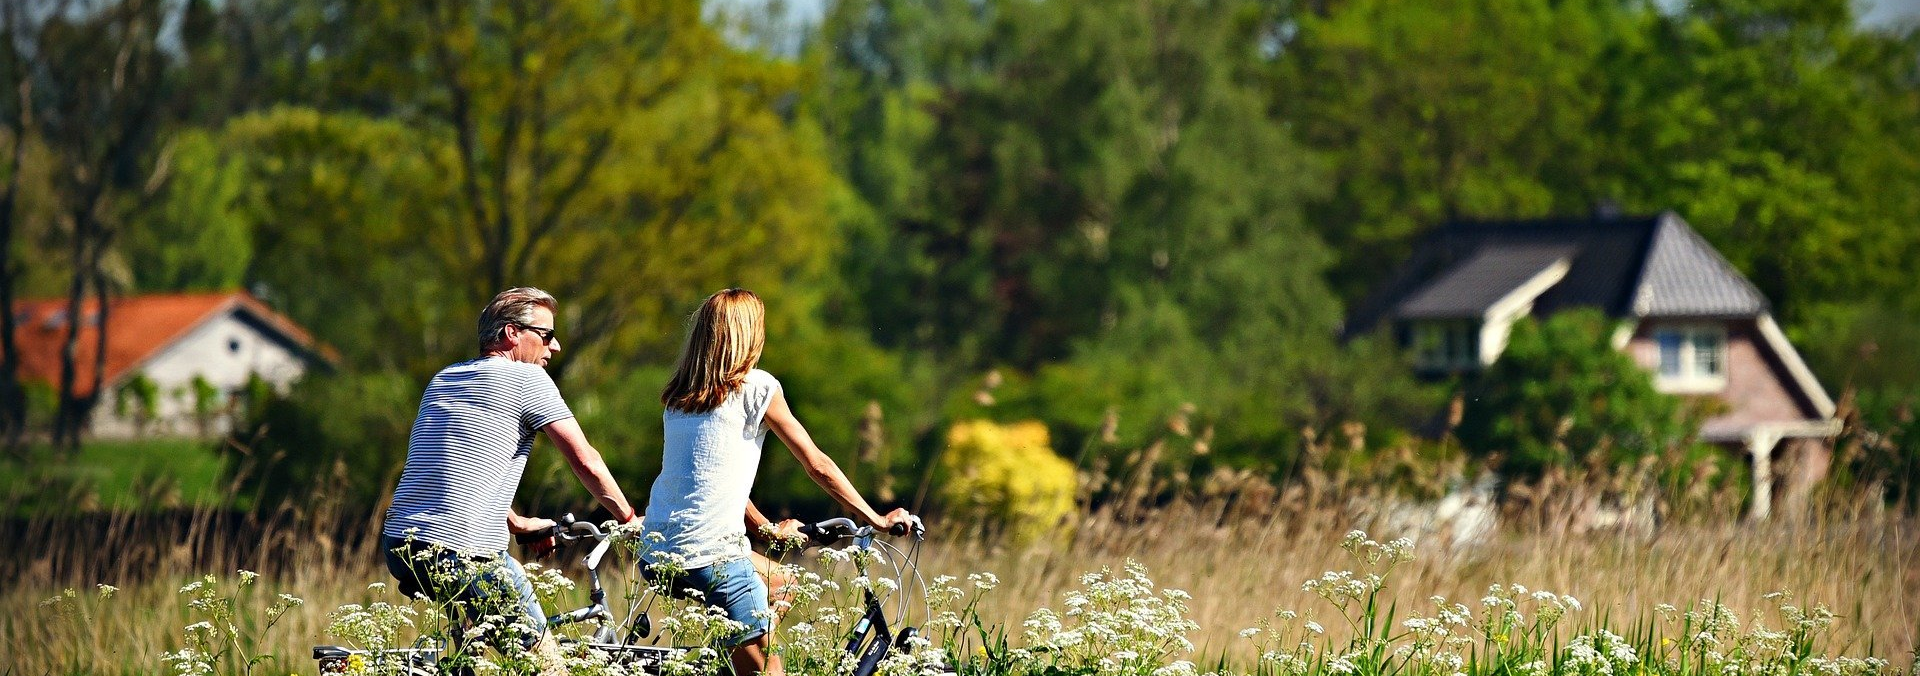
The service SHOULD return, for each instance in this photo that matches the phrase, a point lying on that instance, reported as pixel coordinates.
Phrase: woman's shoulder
(759, 378)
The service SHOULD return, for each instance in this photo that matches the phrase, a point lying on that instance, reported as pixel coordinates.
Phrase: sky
(1872, 12)
(1891, 12)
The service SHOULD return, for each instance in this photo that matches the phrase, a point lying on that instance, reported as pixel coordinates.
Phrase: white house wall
(224, 350)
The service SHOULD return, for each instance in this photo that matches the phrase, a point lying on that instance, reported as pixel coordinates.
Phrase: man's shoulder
(489, 368)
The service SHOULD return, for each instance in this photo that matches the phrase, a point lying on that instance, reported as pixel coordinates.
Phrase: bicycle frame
(873, 638)
(420, 660)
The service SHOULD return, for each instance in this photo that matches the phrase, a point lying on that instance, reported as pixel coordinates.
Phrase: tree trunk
(66, 423)
(13, 400)
(99, 332)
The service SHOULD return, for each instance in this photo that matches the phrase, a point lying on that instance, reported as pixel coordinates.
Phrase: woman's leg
(776, 581)
(756, 657)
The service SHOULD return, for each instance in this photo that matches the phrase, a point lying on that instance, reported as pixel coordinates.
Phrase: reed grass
(1240, 558)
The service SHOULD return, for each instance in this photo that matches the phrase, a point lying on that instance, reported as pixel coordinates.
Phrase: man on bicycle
(452, 515)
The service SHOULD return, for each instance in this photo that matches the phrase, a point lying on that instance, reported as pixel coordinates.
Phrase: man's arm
(517, 524)
(821, 468)
(590, 468)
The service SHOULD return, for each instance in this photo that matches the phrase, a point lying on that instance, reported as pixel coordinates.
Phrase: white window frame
(1446, 345)
(1688, 373)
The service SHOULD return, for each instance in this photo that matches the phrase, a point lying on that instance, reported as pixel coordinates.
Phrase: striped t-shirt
(468, 448)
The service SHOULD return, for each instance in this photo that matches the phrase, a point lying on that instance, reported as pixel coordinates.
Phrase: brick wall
(1757, 389)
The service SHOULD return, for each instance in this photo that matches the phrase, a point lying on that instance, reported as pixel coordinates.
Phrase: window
(1447, 345)
(1692, 358)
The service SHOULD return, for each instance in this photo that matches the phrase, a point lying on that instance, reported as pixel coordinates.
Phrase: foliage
(341, 434)
(137, 398)
(1771, 126)
(1069, 162)
(1007, 475)
(1124, 624)
(1872, 347)
(1423, 124)
(198, 236)
(1113, 624)
(226, 640)
(1138, 212)
(1562, 396)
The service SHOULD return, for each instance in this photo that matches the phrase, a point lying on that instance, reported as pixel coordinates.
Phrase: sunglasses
(544, 332)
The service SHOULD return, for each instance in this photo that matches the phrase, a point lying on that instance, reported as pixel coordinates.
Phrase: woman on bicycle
(719, 409)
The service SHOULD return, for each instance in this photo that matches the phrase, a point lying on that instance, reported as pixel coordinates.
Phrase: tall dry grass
(1242, 551)
(1868, 571)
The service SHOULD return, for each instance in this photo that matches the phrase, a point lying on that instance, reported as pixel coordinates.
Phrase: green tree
(621, 155)
(1063, 156)
(1560, 395)
(197, 236)
(1098, 193)
(1775, 127)
(1430, 110)
(618, 154)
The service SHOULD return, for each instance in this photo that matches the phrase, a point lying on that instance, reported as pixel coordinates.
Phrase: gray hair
(512, 306)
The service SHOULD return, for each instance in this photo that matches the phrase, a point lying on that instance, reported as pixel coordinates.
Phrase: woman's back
(707, 467)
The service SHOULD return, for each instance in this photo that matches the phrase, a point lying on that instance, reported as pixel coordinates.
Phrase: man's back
(467, 450)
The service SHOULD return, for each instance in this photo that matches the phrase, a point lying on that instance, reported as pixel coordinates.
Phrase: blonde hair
(724, 340)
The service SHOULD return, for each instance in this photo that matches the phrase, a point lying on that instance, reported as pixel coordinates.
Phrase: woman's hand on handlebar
(897, 521)
(788, 531)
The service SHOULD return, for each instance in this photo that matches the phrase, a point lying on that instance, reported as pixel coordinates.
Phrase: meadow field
(1837, 592)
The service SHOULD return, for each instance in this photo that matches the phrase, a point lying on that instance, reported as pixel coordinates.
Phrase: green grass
(136, 475)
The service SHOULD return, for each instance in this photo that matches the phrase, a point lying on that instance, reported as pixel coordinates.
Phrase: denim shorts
(735, 587)
(474, 586)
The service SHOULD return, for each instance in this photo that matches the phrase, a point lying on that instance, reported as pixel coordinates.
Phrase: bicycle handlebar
(566, 529)
(839, 528)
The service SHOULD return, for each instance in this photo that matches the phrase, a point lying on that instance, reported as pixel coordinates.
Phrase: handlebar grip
(828, 531)
(559, 526)
(536, 536)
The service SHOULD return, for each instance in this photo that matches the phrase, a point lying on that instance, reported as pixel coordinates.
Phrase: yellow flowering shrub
(1007, 474)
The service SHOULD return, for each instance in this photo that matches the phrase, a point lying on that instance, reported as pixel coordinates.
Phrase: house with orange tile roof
(191, 352)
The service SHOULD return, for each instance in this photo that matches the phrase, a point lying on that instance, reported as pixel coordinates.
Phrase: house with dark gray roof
(1683, 312)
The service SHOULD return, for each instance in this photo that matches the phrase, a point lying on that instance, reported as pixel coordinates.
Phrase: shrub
(345, 434)
(1008, 476)
(1561, 393)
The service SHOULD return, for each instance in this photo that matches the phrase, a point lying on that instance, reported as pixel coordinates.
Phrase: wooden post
(1761, 443)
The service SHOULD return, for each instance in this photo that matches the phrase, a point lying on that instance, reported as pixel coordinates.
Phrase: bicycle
(873, 638)
(424, 658)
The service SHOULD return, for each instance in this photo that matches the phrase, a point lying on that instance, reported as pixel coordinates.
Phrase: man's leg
(439, 575)
(512, 592)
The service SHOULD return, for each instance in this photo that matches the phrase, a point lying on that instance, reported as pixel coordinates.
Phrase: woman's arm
(820, 468)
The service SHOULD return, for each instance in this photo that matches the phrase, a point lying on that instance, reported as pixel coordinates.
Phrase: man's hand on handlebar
(530, 525)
